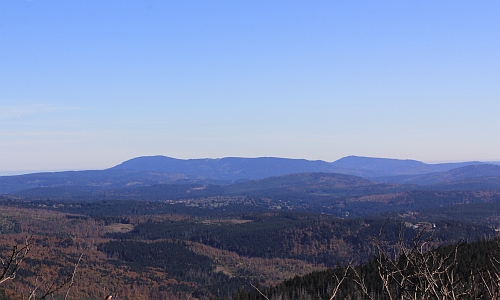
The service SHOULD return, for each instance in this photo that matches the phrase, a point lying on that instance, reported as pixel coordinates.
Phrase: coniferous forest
(300, 236)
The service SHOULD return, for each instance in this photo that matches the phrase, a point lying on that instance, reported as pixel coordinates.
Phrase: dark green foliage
(116, 209)
(472, 258)
(175, 259)
(479, 213)
(9, 226)
(266, 235)
(277, 235)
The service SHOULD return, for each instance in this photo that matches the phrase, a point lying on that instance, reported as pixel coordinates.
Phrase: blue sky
(89, 84)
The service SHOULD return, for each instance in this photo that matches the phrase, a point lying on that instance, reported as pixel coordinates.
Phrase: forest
(296, 236)
(138, 249)
(459, 271)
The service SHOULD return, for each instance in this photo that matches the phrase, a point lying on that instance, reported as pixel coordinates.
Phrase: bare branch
(259, 291)
(51, 286)
(72, 281)
(13, 262)
(339, 282)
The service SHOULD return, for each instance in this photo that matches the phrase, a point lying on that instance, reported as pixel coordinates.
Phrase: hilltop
(150, 170)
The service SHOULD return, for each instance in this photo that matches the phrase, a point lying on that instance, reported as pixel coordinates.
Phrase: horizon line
(27, 172)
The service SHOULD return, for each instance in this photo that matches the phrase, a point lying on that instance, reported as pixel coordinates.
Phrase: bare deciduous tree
(12, 262)
(415, 273)
(43, 286)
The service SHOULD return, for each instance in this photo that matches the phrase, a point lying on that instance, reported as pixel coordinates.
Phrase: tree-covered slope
(462, 174)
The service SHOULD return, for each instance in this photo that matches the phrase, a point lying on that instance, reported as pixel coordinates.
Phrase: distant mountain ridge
(298, 183)
(362, 166)
(456, 174)
(150, 170)
(229, 168)
(233, 168)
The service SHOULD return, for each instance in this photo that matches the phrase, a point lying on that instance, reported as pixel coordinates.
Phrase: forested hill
(229, 168)
(467, 269)
(457, 174)
(294, 184)
(148, 171)
(234, 168)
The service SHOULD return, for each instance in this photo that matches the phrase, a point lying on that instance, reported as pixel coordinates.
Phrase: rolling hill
(457, 174)
(234, 168)
(151, 170)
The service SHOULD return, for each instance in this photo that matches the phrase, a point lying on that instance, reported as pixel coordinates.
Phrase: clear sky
(88, 84)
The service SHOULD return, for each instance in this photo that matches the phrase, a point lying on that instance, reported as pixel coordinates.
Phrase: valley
(202, 240)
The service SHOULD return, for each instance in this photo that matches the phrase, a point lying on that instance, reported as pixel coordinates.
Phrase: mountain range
(469, 171)
(234, 168)
(152, 170)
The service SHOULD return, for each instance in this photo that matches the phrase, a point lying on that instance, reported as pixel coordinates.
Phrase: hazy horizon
(90, 84)
(24, 172)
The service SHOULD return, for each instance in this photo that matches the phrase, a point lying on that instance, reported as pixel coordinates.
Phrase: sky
(88, 84)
